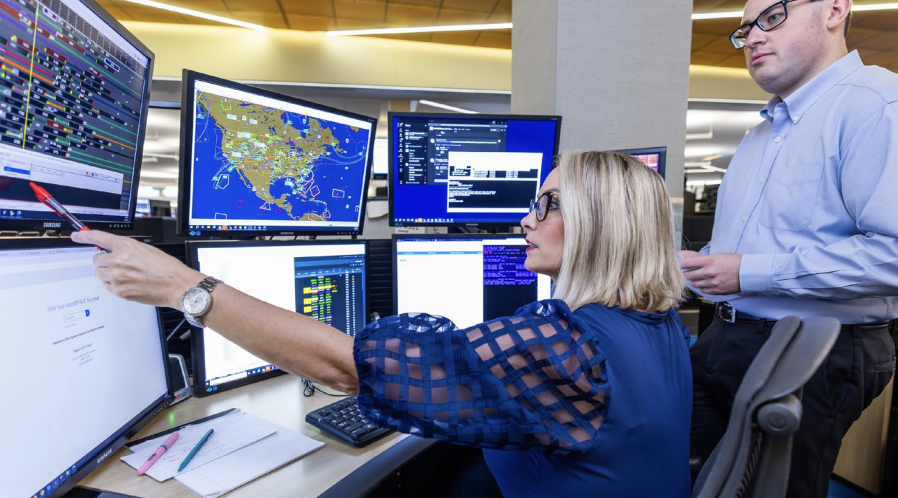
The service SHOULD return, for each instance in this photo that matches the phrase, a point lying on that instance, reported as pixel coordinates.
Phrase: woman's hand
(137, 271)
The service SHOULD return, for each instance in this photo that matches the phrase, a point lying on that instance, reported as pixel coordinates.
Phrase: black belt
(729, 314)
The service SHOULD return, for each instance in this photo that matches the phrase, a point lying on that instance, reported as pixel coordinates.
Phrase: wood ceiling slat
(311, 23)
(410, 15)
(495, 39)
(452, 17)
(470, 5)
(306, 8)
(360, 9)
(253, 5)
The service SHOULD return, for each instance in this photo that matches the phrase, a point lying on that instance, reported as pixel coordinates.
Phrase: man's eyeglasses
(543, 204)
(769, 19)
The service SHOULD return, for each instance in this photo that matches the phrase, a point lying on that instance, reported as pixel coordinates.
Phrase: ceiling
(713, 129)
(872, 33)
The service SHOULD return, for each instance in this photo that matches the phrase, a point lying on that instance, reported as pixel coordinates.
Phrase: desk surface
(278, 400)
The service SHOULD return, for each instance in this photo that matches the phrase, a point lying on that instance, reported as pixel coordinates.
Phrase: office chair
(753, 457)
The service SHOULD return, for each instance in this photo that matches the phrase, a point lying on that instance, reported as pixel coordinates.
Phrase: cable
(175, 329)
(309, 389)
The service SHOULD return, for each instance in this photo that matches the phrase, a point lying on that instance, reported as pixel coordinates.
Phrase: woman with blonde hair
(587, 392)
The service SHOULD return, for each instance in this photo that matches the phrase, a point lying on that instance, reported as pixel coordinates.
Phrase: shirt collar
(802, 99)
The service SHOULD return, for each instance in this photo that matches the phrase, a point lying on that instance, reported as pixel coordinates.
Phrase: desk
(280, 401)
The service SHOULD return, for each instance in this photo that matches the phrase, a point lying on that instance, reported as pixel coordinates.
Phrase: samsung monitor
(75, 88)
(466, 278)
(323, 280)
(467, 170)
(653, 157)
(256, 162)
(81, 371)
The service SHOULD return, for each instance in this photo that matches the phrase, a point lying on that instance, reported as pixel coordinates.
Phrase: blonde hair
(619, 244)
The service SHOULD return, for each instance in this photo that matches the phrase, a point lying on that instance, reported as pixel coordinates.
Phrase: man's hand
(714, 274)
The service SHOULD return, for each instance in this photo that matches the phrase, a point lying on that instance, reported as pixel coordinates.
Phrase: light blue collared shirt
(810, 200)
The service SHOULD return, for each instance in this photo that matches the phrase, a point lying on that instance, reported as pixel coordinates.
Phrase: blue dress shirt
(810, 200)
(592, 402)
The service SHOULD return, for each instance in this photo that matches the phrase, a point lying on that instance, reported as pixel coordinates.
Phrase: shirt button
(777, 139)
(761, 180)
(744, 219)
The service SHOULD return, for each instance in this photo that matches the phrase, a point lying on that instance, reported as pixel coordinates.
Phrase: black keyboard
(343, 421)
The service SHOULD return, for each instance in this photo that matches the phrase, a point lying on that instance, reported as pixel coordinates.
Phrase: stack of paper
(241, 449)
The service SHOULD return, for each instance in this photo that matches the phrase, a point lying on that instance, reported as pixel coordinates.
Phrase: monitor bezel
(104, 450)
(391, 166)
(441, 236)
(660, 150)
(58, 224)
(197, 348)
(188, 109)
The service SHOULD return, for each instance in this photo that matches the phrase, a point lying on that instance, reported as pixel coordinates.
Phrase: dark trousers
(857, 369)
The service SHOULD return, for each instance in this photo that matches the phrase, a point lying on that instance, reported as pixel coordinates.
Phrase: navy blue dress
(594, 401)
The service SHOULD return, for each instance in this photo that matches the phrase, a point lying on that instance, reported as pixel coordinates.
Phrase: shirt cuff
(756, 274)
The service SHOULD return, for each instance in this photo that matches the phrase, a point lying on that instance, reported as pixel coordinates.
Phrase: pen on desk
(195, 449)
(158, 453)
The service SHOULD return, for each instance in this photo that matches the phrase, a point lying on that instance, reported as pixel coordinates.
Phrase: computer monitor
(323, 280)
(81, 371)
(256, 162)
(653, 157)
(380, 165)
(72, 116)
(467, 170)
(466, 278)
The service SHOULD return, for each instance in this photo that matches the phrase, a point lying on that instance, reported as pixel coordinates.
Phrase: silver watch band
(207, 284)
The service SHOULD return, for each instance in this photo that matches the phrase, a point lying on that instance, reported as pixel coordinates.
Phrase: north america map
(253, 162)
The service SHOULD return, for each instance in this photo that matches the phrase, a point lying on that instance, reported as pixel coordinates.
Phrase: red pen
(45, 197)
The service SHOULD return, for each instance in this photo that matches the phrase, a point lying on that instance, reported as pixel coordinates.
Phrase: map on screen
(257, 160)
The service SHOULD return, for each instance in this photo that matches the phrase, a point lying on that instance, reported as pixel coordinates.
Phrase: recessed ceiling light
(196, 13)
(447, 107)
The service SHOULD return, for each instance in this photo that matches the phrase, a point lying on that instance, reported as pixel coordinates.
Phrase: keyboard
(343, 421)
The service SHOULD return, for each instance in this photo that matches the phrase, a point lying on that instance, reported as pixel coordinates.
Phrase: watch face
(195, 301)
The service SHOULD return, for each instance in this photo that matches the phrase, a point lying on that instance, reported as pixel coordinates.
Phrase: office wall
(618, 72)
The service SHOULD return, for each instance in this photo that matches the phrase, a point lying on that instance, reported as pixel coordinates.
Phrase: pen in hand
(48, 200)
(158, 453)
(195, 449)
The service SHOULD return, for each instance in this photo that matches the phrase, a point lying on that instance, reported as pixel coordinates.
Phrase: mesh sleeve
(529, 380)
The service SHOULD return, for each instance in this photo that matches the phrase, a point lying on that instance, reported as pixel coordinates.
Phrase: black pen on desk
(195, 449)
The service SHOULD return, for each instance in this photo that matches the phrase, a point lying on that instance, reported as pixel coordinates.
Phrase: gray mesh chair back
(752, 459)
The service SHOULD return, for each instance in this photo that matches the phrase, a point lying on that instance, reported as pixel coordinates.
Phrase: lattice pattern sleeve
(529, 380)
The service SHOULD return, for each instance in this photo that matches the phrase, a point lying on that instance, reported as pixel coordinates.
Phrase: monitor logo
(104, 456)
(51, 224)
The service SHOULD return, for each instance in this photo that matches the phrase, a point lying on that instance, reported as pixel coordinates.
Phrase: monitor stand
(82, 492)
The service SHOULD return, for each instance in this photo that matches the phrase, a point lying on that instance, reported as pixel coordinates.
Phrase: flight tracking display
(74, 89)
(258, 162)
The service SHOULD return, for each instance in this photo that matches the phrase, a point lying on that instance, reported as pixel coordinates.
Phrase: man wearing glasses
(806, 225)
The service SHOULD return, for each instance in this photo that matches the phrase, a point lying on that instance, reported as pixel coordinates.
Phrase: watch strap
(207, 284)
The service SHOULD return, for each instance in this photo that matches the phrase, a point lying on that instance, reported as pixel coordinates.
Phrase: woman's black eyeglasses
(543, 204)
(770, 18)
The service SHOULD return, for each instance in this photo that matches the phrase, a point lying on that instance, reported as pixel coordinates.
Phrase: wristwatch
(197, 301)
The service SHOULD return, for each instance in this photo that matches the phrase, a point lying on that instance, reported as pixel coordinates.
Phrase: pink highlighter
(157, 454)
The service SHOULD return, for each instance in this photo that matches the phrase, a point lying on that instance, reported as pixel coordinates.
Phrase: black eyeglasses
(770, 18)
(543, 204)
